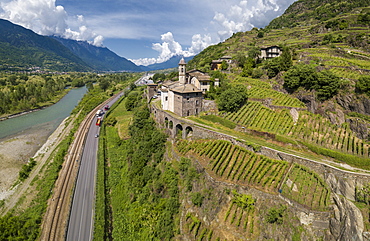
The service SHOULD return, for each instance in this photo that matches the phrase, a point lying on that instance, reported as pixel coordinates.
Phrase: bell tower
(182, 71)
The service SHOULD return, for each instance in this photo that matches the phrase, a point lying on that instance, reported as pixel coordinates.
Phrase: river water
(46, 119)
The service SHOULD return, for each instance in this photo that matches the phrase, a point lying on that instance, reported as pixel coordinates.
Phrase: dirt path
(12, 195)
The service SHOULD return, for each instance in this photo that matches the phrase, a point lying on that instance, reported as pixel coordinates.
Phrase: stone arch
(170, 125)
(188, 131)
(166, 122)
(178, 131)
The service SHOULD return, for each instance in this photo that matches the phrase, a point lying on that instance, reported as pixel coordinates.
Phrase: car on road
(96, 135)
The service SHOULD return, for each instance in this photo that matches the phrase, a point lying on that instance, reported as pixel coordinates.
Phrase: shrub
(26, 169)
(233, 98)
(363, 85)
(197, 199)
(275, 215)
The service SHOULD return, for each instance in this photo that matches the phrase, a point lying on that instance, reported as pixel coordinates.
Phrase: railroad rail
(56, 218)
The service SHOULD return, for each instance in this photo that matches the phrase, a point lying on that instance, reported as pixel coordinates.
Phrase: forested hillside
(22, 49)
(284, 155)
(98, 58)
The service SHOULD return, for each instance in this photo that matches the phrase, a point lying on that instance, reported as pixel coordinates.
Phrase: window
(188, 99)
(166, 98)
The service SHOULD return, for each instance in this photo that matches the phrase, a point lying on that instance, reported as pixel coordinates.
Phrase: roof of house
(204, 78)
(187, 88)
(270, 47)
(169, 83)
(199, 75)
(182, 61)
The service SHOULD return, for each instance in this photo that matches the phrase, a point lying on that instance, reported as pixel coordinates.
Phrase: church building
(184, 97)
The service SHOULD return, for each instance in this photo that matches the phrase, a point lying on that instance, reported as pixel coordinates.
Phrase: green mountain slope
(99, 58)
(307, 12)
(21, 48)
(325, 81)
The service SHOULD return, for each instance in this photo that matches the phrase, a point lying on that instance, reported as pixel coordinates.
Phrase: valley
(264, 136)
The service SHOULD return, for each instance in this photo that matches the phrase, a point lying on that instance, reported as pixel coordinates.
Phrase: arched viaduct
(173, 126)
(179, 127)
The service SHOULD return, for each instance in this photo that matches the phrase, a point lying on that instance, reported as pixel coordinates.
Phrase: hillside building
(185, 97)
(216, 64)
(270, 52)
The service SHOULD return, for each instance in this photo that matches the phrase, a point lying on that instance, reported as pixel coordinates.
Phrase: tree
(327, 85)
(254, 52)
(325, 82)
(89, 86)
(131, 100)
(260, 34)
(78, 82)
(272, 66)
(285, 59)
(224, 65)
(240, 58)
(257, 73)
(299, 75)
(232, 98)
(363, 85)
(275, 215)
(158, 76)
(104, 84)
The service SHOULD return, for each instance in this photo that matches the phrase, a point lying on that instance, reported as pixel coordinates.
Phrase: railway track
(55, 222)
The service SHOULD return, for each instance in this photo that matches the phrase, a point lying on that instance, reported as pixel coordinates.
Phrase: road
(81, 221)
(144, 80)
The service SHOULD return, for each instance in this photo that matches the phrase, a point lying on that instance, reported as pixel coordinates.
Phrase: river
(45, 119)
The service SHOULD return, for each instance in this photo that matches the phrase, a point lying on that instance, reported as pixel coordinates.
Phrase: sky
(144, 31)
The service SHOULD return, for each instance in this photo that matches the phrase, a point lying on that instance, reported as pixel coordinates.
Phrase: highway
(81, 221)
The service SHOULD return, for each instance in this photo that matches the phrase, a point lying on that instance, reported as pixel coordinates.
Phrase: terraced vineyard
(243, 167)
(256, 116)
(241, 214)
(263, 90)
(305, 186)
(344, 67)
(277, 97)
(310, 128)
(237, 164)
(197, 229)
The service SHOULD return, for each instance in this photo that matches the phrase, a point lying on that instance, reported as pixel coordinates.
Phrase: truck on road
(99, 113)
(98, 121)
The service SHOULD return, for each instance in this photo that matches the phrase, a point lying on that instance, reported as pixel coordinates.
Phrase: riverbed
(21, 137)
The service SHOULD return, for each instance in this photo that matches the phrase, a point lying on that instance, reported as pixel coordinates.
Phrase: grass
(123, 118)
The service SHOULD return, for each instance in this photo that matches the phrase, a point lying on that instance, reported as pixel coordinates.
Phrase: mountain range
(22, 49)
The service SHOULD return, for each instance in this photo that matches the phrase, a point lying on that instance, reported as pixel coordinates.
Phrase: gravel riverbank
(16, 150)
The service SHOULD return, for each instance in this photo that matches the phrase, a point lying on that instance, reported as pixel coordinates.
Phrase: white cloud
(246, 15)
(169, 48)
(211, 21)
(239, 17)
(45, 18)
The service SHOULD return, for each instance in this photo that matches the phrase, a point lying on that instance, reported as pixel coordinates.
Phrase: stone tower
(182, 71)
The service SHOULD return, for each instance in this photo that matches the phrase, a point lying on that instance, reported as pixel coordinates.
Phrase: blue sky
(146, 31)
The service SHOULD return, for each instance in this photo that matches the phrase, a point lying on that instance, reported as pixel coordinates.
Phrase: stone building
(152, 91)
(184, 97)
(270, 52)
(216, 64)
